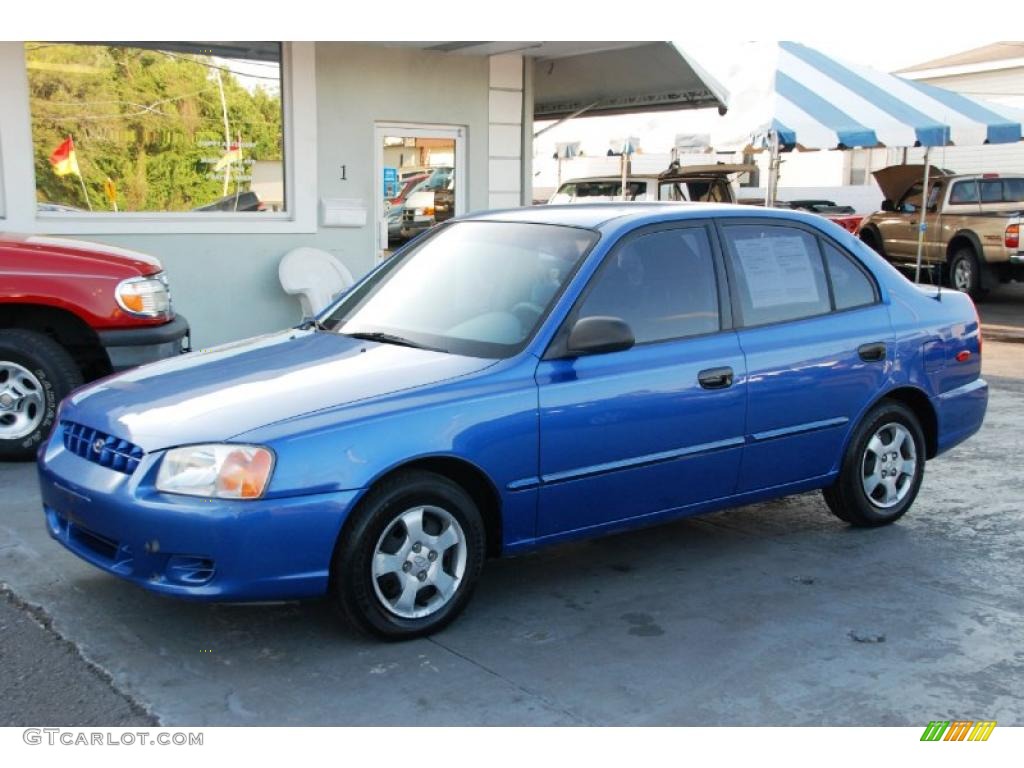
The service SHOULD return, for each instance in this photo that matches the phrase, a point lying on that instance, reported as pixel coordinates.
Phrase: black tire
(847, 497)
(965, 273)
(873, 240)
(353, 583)
(55, 371)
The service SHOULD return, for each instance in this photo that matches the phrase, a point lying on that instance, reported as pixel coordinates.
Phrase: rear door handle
(872, 353)
(715, 378)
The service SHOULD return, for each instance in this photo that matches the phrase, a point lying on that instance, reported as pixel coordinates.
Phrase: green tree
(150, 120)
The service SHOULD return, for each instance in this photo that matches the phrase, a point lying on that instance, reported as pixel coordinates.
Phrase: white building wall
(505, 131)
(225, 282)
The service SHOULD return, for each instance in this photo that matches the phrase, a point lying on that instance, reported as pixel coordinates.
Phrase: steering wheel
(527, 313)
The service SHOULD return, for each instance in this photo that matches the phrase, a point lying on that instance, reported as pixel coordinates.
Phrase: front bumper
(129, 347)
(207, 549)
(412, 227)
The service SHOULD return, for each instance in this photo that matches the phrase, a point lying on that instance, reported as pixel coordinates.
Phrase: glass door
(420, 180)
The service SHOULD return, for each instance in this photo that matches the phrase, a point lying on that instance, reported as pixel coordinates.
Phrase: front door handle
(715, 378)
(872, 353)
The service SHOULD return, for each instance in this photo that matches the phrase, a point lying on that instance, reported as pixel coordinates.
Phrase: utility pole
(227, 132)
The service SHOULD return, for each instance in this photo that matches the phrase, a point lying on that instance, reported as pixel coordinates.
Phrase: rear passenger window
(662, 284)
(779, 273)
(850, 286)
(964, 193)
(991, 191)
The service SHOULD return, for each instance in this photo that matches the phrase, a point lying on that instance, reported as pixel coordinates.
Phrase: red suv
(70, 312)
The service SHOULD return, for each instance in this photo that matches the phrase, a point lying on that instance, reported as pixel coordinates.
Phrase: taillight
(1011, 239)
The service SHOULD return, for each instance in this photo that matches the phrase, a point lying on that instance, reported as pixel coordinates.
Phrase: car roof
(597, 215)
(629, 178)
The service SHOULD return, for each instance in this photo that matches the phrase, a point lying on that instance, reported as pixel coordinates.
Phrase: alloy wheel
(962, 275)
(22, 405)
(889, 465)
(419, 562)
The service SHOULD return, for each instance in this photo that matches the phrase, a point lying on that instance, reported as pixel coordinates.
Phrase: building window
(157, 127)
(860, 166)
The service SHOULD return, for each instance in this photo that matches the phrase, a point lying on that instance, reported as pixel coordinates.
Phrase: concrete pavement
(772, 614)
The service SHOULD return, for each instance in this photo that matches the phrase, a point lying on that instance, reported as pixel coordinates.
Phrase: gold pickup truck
(972, 225)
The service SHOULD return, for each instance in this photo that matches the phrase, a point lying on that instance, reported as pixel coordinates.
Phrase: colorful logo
(958, 730)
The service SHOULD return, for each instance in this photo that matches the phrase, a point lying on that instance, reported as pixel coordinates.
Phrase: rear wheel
(965, 273)
(407, 564)
(35, 374)
(871, 238)
(882, 469)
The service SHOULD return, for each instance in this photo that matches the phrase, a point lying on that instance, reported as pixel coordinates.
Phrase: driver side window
(661, 284)
(911, 201)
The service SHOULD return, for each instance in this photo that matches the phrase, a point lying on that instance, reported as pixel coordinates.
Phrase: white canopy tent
(785, 95)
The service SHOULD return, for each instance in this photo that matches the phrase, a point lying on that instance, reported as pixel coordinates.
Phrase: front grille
(408, 215)
(101, 448)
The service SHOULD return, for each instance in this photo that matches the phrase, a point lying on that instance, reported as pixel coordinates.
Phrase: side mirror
(888, 207)
(594, 335)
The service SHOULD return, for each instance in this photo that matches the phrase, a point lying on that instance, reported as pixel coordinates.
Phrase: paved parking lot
(773, 614)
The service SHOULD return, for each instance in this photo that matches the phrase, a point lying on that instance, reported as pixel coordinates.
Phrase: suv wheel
(407, 564)
(882, 468)
(35, 374)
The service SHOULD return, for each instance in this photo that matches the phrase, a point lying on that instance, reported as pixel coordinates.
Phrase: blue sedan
(511, 380)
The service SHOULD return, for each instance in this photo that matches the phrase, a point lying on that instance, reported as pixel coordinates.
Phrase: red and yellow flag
(233, 155)
(64, 160)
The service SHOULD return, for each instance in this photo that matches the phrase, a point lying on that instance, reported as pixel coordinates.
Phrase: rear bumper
(204, 549)
(961, 412)
(129, 347)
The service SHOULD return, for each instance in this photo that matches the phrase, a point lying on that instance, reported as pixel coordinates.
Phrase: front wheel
(407, 564)
(35, 374)
(882, 468)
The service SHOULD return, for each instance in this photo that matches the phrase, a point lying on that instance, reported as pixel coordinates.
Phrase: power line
(118, 101)
(222, 69)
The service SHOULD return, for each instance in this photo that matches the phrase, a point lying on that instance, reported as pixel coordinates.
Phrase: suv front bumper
(129, 347)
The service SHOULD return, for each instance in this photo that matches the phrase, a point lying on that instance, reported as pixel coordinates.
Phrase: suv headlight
(144, 296)
(222, 471)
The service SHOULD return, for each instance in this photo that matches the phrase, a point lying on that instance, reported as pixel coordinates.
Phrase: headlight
(144, 296)
(216, 471)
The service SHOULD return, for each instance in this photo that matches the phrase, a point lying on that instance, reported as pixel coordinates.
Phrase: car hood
(79, 256)
(422, 199)
(215, 394)
(895, 180)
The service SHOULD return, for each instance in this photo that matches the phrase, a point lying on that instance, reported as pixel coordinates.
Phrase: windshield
(598, 192)
(697, 190)
(474, 288)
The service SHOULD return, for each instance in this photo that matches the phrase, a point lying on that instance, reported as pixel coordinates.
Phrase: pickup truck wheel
(873, 240)
(35, 374)
(965, 273)
(407, 563)
(882, 468)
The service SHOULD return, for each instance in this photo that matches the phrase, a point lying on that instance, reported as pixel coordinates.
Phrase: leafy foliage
(150, 120)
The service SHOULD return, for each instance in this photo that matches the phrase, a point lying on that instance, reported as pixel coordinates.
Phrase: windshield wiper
(390, 338)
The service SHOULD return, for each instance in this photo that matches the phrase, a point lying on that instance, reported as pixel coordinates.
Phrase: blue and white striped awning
(817, 102)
